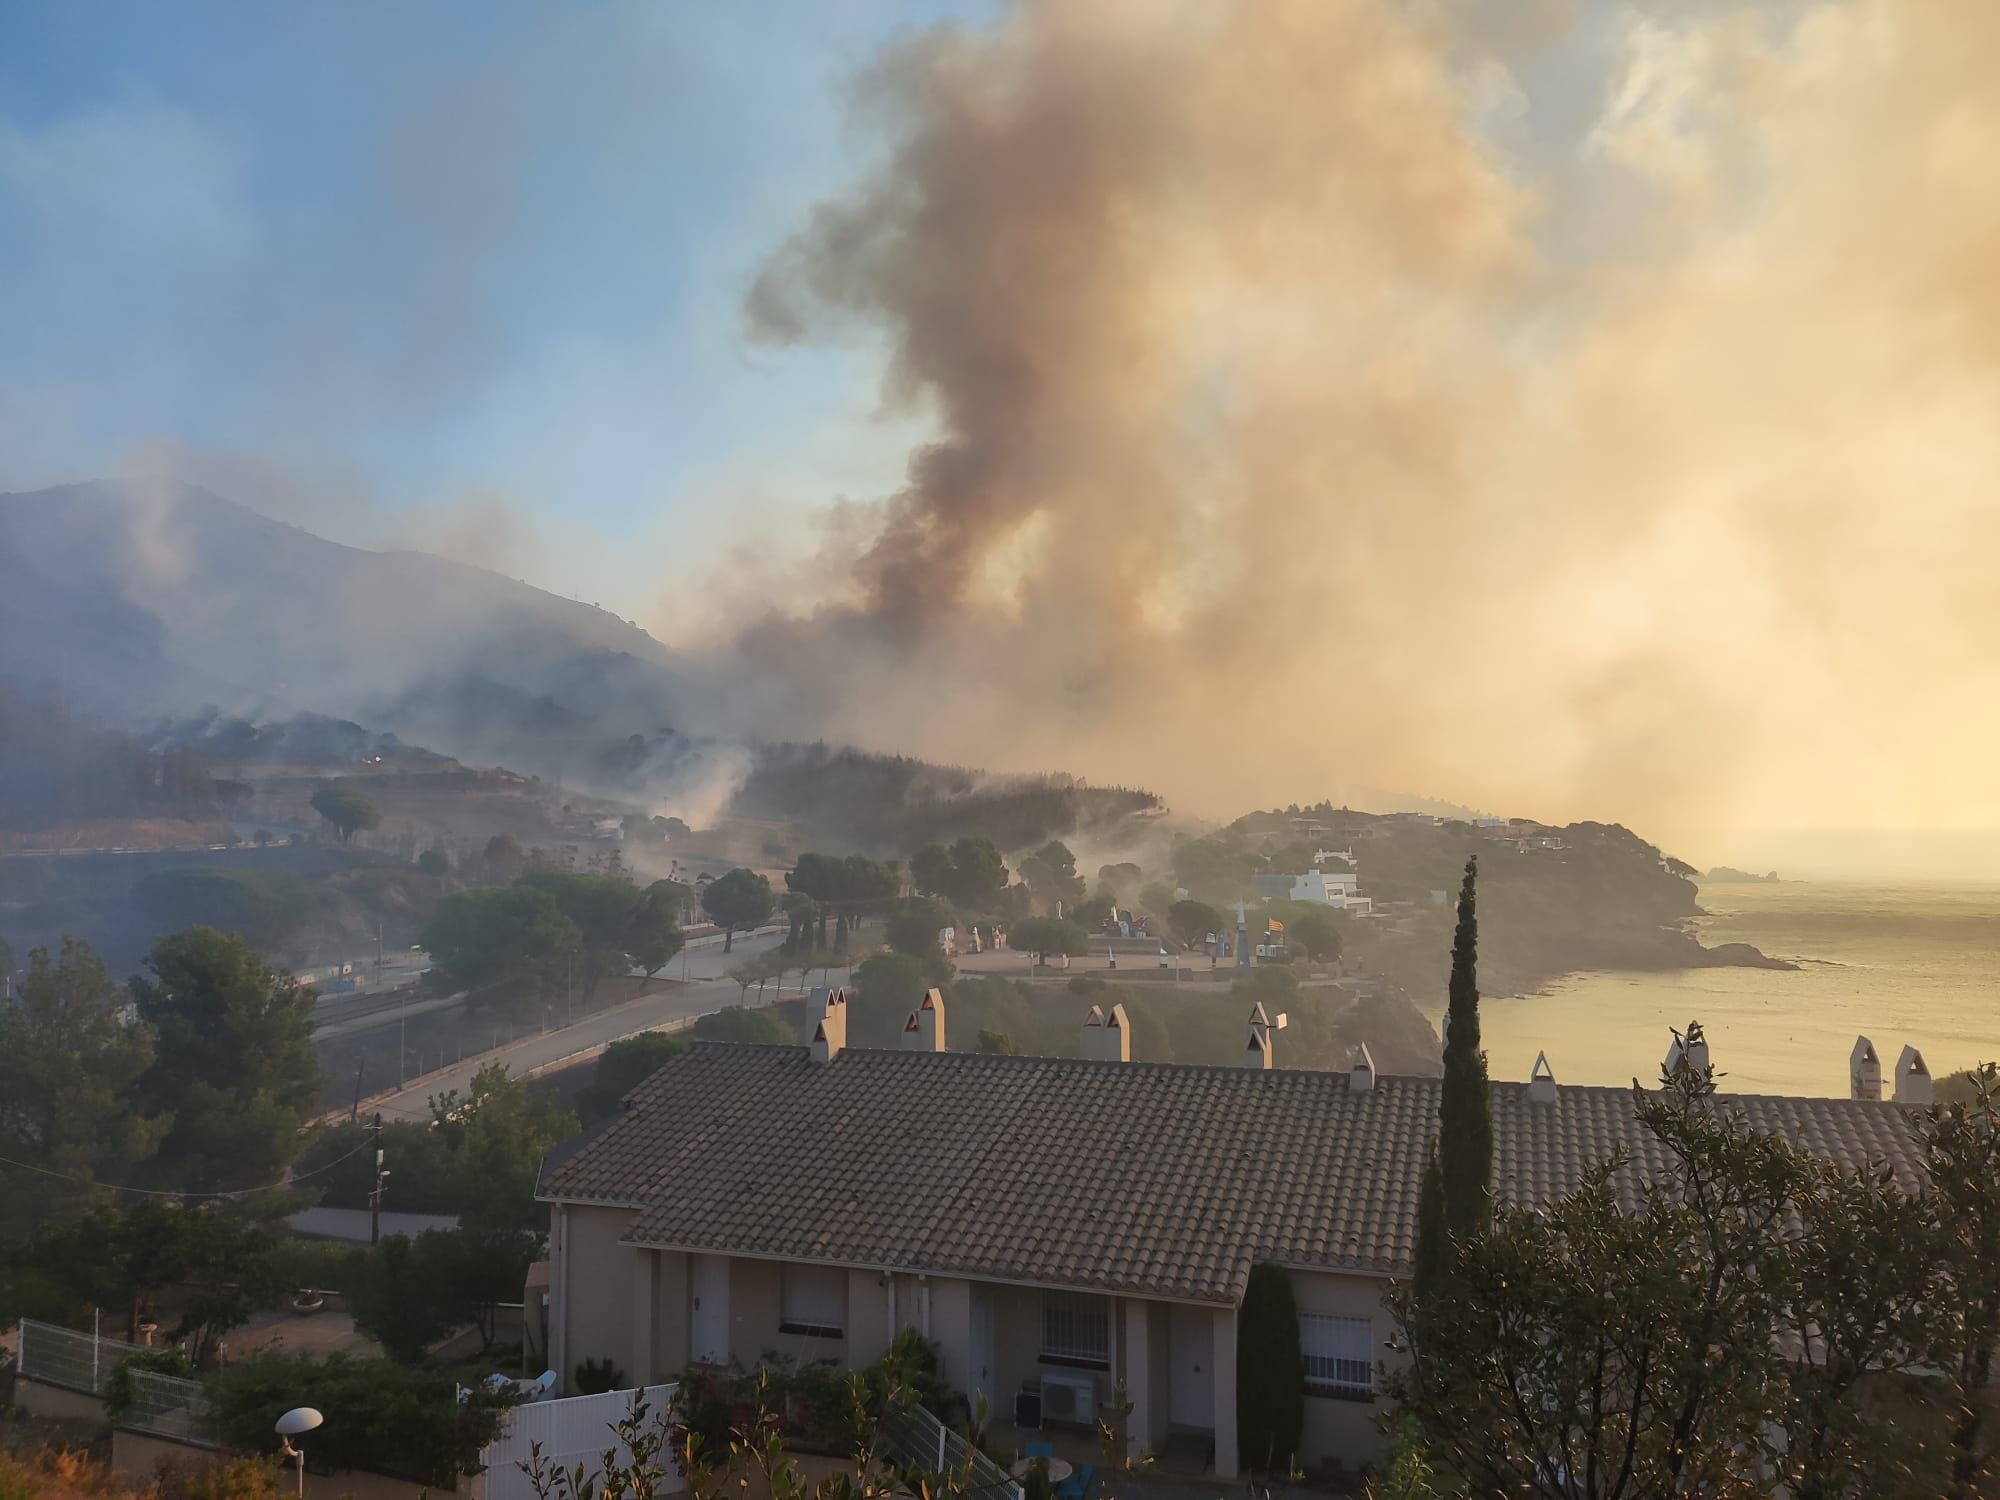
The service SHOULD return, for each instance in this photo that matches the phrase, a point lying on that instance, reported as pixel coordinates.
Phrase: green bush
(381, 1417)
(119, 1386)
(596, 1376)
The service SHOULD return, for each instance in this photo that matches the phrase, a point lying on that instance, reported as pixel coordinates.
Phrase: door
(708, 1328)
(982, 1344)
(1191, 1361)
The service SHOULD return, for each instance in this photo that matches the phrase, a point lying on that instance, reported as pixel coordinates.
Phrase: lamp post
(297, 1423)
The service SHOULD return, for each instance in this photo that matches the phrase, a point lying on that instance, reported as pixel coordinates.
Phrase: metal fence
(168, 1407)
(64, 1357)
(576, 1429)
(913, 1438)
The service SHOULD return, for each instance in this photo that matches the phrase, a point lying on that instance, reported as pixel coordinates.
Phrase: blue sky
(369, 260)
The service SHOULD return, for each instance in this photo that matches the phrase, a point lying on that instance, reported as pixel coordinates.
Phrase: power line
(116, 1187)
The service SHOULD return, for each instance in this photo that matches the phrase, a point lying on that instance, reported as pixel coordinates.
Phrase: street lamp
(297, 1423)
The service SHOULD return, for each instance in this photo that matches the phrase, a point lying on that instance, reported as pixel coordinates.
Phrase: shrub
(596, 1376)
(119, 1387)
(381, 1417)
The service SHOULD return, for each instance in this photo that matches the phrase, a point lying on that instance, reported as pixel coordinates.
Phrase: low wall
(142, 1458)
(59, 1402)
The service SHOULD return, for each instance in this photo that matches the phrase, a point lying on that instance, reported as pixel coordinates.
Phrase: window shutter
(815, 1300)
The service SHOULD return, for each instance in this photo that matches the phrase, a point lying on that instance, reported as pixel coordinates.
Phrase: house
(1337, 889)
(1066, 1225)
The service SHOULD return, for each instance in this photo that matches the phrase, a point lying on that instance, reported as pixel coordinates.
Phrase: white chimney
(829, 1011)
(1541, 1081)
(1361, 1072)
(1107, 1038)
(1864, 1071)
(1690, 1052)
(930, 1016)
(1257, 1050)
(1913, 1079)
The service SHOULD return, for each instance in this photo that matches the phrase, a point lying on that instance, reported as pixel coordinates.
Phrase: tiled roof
(1144, 1178)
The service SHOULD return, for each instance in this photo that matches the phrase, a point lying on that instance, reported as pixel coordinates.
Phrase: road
(704, 991)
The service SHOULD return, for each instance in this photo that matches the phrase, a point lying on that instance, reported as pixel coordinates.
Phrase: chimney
(930, 1021)
(1257, 1050)
(1541, 1081)
(829, 1010)
(1913, 1079)
(1107, 1038)
(1864, 1071)
(1361, 1072)
(1689, 1051)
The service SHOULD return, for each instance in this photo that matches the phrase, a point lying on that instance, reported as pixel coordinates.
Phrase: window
(814, 1301)
(1076, 1329)
(1339, 1355)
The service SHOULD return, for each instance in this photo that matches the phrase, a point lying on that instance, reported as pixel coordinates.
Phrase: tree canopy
(346, 807)
(1318, 932)
(622, 1067)
(1192, 921)
(70, 1067)
(234, 1067)
(1050, 875)
(970, 874)
(499, 1132)
(1047, 936)
(1758, 1318)
(738, 900)
(503, 939)
(408, 1293)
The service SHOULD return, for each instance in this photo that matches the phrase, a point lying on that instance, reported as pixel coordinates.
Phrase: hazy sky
(361, 258)
(1571, 409)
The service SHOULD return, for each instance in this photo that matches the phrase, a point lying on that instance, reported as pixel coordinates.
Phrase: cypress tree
(1270, 1373)
(1455, 1198)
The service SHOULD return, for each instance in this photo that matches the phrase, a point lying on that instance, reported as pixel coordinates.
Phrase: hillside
(1552, 900)
(132, 603)
(891, 804)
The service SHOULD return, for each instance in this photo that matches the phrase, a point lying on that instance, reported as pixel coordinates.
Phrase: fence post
(96, 1343)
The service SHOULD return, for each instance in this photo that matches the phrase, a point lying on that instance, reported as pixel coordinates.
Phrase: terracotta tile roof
(1143, 1178)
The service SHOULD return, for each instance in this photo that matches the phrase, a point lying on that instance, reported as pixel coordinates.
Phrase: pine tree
(1455, 1199)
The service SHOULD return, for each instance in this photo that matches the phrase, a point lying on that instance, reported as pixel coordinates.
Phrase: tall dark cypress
(1455, 1198)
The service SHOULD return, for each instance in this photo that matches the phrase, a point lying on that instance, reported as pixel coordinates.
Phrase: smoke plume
(1597, 419)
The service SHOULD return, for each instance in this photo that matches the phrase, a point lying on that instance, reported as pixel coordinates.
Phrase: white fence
(64, 1357)
(914, 1439)
(576, 1429)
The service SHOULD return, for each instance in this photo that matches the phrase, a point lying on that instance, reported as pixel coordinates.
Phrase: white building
(1338, 890)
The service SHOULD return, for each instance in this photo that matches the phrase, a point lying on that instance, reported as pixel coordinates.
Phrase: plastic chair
(1040, 1450)
(1077, 1486)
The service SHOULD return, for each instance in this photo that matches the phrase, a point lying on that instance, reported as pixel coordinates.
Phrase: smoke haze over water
(1599, 421)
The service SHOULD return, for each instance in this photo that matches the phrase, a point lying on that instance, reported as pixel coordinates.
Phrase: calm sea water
(1900, 963)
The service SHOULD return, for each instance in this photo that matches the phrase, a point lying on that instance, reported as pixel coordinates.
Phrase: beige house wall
(1342, 1434)
(634, 1306)
(593, 1281)
(756, 1313)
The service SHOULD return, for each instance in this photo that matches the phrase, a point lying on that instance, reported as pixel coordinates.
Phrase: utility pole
(354, 1110)
(375, 1193)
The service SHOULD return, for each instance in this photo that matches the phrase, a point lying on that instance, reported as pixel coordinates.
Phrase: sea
(1900, 963)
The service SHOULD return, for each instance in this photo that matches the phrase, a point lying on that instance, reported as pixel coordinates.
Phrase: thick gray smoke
(1311, 411)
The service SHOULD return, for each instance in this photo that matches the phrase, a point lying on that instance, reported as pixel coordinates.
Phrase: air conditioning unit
(1068, 1396)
